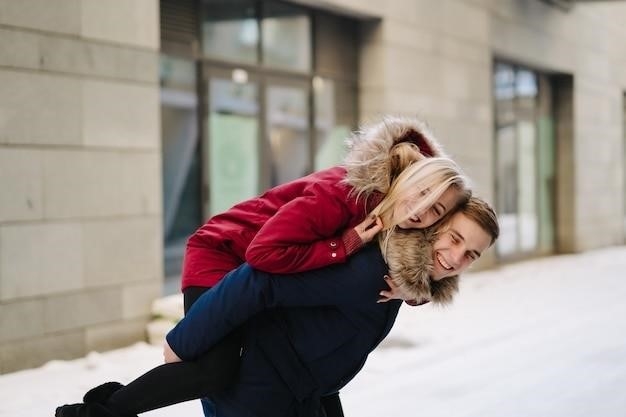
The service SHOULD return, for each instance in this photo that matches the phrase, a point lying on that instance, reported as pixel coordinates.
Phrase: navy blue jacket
(307, 335)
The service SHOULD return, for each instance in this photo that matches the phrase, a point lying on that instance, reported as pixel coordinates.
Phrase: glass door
(287, 130)
(524, 161)
(232, 131)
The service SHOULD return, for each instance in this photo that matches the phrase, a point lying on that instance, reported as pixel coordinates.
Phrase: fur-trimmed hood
(367, 160)
(409, 257)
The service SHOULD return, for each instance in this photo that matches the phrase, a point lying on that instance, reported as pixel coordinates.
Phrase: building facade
(123, 124)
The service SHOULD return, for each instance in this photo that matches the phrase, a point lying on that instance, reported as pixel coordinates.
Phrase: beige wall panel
(63, 17)
(123, 251)
(136, 22)
(21, 320)
(82, 309)
(39, 109)
(93, 59)
(103, 337)
(464, 52)
(466, 21)
(138, 298)
(18, 49)
(35, 352)
(21, 178)
(40, 259)
(95, 184)
(121, 115)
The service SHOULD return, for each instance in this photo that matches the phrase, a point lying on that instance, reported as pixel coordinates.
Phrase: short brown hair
(483, 214)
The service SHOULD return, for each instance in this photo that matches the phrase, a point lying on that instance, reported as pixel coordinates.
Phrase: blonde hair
(423, 182)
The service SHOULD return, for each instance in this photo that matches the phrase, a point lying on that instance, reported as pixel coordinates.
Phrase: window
(230, 30)
(181, 162)
(524, 160)
(260, 93)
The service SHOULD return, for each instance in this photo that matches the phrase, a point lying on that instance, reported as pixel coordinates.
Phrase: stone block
(120, 21)
(18, 49)
(121, 115)
(62, 17)
(21, 320)
(122, 251)
(39, 108)
(35, 352)
(138, 298)
(110, 336)
(40, 259)
(21, 177)
(101, 183)
(82, 309)
(466, 21)
(79, 56)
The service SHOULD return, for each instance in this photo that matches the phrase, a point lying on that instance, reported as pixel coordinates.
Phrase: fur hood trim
(367, 160)
(409, 258)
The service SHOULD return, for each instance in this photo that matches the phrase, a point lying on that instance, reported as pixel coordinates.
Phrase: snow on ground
(543, 338)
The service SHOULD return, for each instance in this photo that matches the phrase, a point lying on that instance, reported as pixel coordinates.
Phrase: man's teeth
(443, 262)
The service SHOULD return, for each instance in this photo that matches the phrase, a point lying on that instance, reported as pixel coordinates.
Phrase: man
(322, 324)
(308, 334)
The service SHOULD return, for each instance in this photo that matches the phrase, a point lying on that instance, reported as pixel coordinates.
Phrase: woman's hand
(368, 228)
(168, 354)
(394, 293)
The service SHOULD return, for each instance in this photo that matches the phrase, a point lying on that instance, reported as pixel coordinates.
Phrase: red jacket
(299, 226)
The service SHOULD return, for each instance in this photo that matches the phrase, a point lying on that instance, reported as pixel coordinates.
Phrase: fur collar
(367, 162)
(408, 254)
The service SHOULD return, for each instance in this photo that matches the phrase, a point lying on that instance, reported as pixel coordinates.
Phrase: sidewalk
(544, 338)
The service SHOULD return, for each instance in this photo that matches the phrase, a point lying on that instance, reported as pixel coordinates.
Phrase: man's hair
(483, 214)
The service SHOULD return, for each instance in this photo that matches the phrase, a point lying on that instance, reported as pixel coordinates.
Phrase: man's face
(460, 243)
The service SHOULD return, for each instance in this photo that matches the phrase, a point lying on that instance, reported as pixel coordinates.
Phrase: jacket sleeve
(308, 232)
(245, 292)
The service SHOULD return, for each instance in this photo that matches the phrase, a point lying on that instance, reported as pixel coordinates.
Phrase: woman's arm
(311, 231)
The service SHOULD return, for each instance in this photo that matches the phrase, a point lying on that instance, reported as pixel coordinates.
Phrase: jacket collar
(408, 254)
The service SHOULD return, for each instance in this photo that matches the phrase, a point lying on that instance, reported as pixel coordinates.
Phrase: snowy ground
(545, 338)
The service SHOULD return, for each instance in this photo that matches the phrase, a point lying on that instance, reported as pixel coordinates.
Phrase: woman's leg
(171, 383)
(177, 382)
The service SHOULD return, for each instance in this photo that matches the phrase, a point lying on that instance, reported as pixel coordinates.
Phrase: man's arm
(245, 292)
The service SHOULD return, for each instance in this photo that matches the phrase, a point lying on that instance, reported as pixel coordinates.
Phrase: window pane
(506, 175)
(504, 90)
(335, 116)
(288, 133)
(527, 189)
(181, 164)
(233, 143)
(286, 37)
(230, 30)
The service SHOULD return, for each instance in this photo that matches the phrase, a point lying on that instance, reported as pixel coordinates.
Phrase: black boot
(85, 410)
(95, 403)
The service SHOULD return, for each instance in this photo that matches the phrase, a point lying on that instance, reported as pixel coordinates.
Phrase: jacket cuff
(351, 241)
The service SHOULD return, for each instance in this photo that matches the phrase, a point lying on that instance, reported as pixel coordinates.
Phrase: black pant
(173, 383)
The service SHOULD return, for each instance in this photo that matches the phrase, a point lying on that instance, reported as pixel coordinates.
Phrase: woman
(309, 223)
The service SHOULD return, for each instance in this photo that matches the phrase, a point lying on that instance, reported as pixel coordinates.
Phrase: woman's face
(446, 202)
